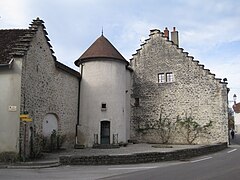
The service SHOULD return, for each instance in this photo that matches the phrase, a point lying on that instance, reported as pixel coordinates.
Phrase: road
(221, 165)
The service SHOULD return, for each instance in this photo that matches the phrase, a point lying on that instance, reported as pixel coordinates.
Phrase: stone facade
(186, 89)
(47, 88)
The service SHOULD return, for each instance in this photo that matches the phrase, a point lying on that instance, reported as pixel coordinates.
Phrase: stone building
(33, 82)
(168, 82)
(109, 100)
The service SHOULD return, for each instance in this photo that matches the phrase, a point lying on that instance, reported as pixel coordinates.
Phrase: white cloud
(14, 13)
(224, 30)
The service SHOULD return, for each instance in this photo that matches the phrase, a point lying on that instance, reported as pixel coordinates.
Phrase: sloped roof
(8, 40)
(101, 48)
(15, 42)
(236, 108)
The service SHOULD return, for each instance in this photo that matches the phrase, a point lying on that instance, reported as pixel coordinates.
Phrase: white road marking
(232, 151)
(203, 159)
(132, 168)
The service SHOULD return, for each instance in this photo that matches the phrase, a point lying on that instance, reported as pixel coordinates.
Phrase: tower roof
(236, 108)
(101, 48)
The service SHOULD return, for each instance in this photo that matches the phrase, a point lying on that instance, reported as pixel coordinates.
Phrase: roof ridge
(36, 23)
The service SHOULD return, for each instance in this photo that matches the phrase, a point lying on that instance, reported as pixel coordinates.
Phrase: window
(161, 78)
(136, 103)
(104, 107)
(169, 77)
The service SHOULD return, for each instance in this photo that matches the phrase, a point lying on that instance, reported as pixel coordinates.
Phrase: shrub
(53, 142)
(9, 157)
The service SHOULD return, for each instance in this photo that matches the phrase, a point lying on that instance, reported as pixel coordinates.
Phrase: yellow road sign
(26, 119)
(24, 116)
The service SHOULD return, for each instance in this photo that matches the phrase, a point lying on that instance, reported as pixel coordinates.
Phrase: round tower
(104, 95)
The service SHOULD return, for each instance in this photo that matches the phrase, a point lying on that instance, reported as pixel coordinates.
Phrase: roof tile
(101, 48)
(236, 108)
(8, 40)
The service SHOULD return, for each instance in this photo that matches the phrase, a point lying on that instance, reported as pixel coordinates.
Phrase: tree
(164, 127)
(190, 129)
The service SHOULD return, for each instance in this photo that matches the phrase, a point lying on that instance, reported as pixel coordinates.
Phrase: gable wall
(47, 89)
(194, 92)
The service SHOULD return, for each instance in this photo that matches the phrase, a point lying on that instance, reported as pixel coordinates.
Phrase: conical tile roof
(101, 48)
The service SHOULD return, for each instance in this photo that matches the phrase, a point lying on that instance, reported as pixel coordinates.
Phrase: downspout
(78, 113)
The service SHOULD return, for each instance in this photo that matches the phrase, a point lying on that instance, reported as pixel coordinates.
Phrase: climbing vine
(190, 129)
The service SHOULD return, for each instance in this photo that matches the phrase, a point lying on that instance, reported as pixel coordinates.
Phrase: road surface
(220, 166)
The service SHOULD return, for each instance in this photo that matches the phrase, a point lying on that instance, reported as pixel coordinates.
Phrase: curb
(31, 165)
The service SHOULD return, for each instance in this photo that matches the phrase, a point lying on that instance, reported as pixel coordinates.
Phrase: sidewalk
(139, 153)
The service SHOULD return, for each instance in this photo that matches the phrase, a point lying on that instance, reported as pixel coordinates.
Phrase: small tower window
(104, 106)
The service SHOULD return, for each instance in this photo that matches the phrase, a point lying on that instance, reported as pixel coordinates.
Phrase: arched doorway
(49, 124)
(105, 132)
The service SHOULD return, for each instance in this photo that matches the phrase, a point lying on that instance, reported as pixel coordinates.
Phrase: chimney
(166, 32)
(234, 99)
(154, 31)
(174, 36)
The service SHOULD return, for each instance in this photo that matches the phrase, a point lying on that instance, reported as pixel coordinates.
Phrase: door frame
(105, 125)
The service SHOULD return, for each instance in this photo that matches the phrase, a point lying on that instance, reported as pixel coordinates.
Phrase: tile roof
(236, 108)
(17, 41)
(8, 40)
(101, 48)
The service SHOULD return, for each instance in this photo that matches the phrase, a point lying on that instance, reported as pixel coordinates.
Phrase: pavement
(52, 159)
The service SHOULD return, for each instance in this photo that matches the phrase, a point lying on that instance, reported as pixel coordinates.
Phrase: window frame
(169, 77)
(161, 78)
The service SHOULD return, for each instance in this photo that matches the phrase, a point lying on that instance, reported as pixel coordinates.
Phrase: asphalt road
(221, 165)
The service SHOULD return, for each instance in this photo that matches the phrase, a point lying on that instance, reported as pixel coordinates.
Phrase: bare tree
(191, 129)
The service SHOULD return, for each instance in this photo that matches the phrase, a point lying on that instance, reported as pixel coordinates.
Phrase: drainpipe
(78, 113)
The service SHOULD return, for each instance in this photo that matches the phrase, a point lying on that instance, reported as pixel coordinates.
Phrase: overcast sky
(208, 29)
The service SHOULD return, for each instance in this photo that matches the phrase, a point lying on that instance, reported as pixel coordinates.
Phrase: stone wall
(48, 89)
(140, 157)
(194, 91)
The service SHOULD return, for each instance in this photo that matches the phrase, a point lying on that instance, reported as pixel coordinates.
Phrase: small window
(136, 103)
(169, 77)
(161, 78)
(104, 107)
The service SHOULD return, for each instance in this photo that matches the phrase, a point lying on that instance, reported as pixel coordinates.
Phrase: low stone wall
(140, 157)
